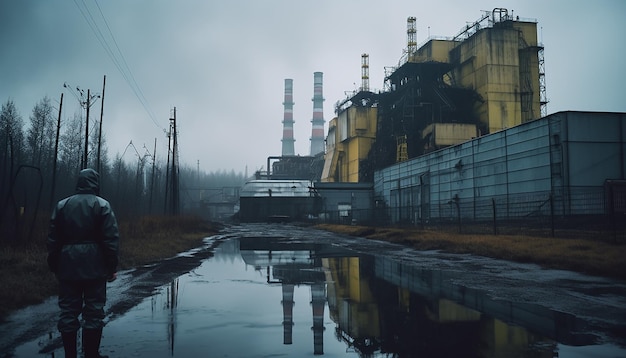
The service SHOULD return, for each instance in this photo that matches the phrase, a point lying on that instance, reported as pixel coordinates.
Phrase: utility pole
(85, 165)
(152, 177)
(167, 170)
(56, 150)
(85, 103)
(172, 185)
(175, 184)
(100, 129)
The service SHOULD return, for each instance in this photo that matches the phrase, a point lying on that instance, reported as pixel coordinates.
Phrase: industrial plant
(460, 130)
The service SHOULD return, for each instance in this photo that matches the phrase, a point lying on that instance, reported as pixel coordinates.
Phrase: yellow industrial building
(487, 78)
(350, 137)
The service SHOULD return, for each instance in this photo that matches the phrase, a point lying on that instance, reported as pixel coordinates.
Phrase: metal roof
(276, 188)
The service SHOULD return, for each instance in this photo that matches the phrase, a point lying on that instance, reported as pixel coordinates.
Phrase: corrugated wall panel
(573, 151)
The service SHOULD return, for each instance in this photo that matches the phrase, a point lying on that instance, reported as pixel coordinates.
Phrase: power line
(139, 92)
(117, 57)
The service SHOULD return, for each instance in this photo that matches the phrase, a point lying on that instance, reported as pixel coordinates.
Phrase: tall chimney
(288, 147)
(317, 132)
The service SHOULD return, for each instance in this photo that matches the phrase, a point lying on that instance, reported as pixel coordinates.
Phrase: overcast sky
(222, 64)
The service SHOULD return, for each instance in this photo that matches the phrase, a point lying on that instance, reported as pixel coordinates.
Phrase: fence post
(493, 206)
(551, 215)
(611, 207)
(458, 211)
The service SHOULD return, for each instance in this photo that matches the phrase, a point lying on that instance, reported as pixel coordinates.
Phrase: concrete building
(574, 160)
(277, 200)
(346, 203)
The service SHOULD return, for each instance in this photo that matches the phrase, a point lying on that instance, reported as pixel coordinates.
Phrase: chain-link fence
(581, 212)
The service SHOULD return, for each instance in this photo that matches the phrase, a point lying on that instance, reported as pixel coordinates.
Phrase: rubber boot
(69, 344)
(91, 343)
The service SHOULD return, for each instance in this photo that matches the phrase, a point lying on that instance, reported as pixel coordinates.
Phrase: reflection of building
(381, 306)
(377, 309)
(354, 309)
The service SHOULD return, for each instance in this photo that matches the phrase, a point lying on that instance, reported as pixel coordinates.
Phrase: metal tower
(317, 132)
(411, 34)
(365, 72)
(288, 141)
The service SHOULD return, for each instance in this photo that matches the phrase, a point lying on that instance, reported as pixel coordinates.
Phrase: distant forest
(135, 187)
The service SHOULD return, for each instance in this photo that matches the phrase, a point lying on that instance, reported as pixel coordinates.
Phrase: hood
(88, 182)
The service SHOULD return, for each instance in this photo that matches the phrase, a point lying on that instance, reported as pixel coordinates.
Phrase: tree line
(40, 160)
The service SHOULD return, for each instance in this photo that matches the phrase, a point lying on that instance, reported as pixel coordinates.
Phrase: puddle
(277, 296)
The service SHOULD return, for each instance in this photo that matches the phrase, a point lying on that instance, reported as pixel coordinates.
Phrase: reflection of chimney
(287, 312)
(318, 301)
(288, 147)
(317, 133)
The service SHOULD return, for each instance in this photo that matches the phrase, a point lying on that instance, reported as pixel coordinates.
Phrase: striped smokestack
(317, 133)
(288, 147)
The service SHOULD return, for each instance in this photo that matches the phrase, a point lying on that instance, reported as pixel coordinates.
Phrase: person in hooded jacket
(83, 246)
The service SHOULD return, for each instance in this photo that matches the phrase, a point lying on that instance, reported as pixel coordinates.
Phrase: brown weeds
(26, 280)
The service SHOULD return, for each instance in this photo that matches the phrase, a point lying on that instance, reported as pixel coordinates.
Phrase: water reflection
(381, 307)
(169, 306)
(277, 296)
(291, 265)
(247, 300)
(376, 315)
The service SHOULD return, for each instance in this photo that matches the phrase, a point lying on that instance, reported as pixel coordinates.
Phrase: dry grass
(153, 238)
(25, 277)
(26, 280)
(586, 256)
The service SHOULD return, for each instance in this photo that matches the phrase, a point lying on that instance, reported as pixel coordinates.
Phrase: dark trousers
(86, 297)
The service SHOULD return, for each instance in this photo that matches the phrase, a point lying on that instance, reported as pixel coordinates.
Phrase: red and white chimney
(288, 140)
(317, 132)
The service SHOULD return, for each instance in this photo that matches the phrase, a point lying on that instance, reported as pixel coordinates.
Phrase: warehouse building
(566, 164)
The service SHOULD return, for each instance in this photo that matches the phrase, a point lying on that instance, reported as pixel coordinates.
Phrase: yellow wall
(433, 50)
(446, 134)
(329, 171)
(490, 63)
(357, 127)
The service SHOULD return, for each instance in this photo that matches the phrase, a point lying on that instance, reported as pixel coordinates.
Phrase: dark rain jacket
(83, 240)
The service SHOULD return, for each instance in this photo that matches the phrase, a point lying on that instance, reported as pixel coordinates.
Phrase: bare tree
(40, 134)
(11, 153)
(70, 153)
(11, 140)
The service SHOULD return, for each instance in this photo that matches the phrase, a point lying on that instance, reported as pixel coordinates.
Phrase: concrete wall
(358, 197)
(568, 155)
